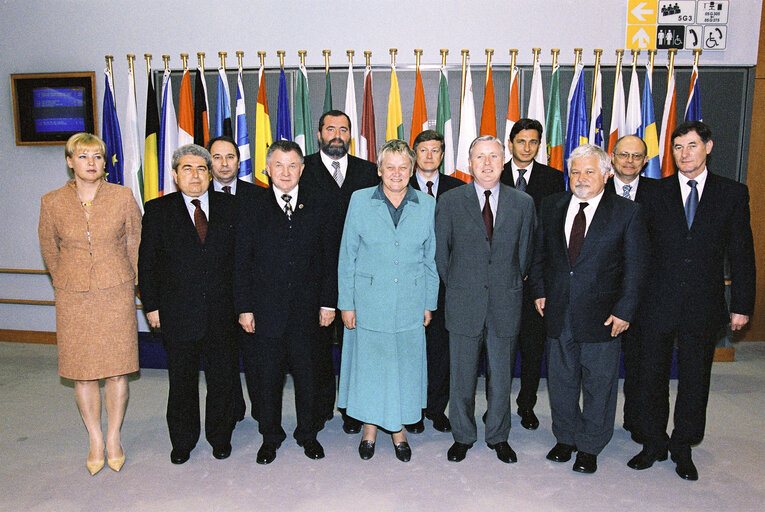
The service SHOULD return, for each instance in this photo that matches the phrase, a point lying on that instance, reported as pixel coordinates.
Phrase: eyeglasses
(629, 156)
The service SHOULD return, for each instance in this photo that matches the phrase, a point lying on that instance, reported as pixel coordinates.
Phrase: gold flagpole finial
(635, 54)
(280, 54)
(222, 56)
(393, 52)
(201, 61)
(597, 52)
(671, 53)
(444, 53)
(301, 56)
(185, 60)
(619, 58)
(577, 56)
(239, 57)
(513, 55)
(696, 55)
(130, 59)
(147, 56)
(368, 57)
(651, 58)
(417, 57)
(489, 52)
(326, 54)
(109, 60)
(536, 52)
(262, 57)
(554, 52)
(350, 56)
(465, 56)
(166, 61)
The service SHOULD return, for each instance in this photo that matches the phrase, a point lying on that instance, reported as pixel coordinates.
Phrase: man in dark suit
(698, 221)
(285, 288)
(185, 268)
(484, 233)
(334, 173)
(429, 148)
(225, 168)
(589, 262)
(629, 156)
(539, 181)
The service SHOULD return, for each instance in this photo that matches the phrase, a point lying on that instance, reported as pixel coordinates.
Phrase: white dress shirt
(219, 188)
(685, 190)
(573, 209)
(493, 198)
(328, 164)
(423, 182)
(516, 174)
(204, 203)
(619, 187)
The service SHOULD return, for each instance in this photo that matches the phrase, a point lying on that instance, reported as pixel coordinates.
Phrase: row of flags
(166, 129)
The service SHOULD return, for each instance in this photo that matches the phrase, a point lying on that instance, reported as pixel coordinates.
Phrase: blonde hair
(84, 140)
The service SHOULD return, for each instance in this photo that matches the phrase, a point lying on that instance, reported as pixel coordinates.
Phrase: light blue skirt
(383, 377)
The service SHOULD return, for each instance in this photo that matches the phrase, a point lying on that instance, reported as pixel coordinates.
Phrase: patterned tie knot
(337, 175)
(626, 190)
(286, 198)
(227, 189)
(196, 203)
(521, 171)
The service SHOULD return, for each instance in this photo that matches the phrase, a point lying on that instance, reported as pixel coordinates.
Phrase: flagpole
(147, 56)
(513, 55)
(444, 53)
(301, 56)
(536, 52)
(671, 52)
(166, 61)
(635, 54)
(619, 55)
(417, 56)
(326, 53)
(350, 56)
(130, 58)
(368, 58)
(489, 53)
(555, 52)
(393, 52)
(696, 55)
(109, 59)
(597, 52)
(262, 57)
(185, 59)
(281, 53)
(651, 57)
(577, 57)
(222, 56)
(465, 54)
(201, 61)
(239, 56)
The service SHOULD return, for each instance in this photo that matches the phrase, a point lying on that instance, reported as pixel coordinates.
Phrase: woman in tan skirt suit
(89, 235)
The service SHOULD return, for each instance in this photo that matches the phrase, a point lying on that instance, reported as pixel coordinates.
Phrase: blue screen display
(44, 97)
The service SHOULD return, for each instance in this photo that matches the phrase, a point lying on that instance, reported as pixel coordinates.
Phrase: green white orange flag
(554, 129)
(133, 174)
(444, 123)
(467, 130)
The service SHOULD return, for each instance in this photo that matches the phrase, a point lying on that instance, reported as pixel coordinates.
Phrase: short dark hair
(429, 135)
(525, 124)
(333, 113)
(223, 138)
(286, 146)
(700, 128)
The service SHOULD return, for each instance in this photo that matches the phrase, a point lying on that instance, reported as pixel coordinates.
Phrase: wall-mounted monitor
(48, 108)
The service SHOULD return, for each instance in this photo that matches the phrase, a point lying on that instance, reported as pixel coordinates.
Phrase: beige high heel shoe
(116, 463)
(94, 466)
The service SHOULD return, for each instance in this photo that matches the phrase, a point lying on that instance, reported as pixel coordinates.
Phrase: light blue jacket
(388, 274)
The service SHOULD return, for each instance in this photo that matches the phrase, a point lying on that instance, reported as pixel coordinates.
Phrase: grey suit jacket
(484, 282)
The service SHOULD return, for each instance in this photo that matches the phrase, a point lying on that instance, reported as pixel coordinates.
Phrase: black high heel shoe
(366, 449)
(403, 451)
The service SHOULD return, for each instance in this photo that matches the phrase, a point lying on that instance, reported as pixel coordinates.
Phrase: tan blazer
(115, 234)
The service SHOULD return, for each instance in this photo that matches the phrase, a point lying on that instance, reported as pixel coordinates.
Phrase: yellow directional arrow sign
(641, 12)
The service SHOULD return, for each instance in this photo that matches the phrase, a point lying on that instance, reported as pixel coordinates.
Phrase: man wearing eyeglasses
(628, 159)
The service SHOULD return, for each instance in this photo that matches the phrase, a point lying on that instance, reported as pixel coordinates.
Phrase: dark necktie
(520, 184)
(227, 189)
(577, 234)
(691, 203)
(430, 188)
(337, 175)
(488, 217)
(626, 191)
(200, 220)
(287, 206)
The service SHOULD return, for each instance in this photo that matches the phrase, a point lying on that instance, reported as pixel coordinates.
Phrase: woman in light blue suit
(388, 286)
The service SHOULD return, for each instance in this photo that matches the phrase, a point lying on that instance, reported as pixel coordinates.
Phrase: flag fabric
(444, 123)
(327, 92)
(618, 113)
(223, 106)
(168, 138)
(596, 121)
(489, 109)
(185, 112)
(283, 128)
(647, 130)
(368, 141)
(242, 136)
(111, 131)
(419, 110)
(537, 110)
(632, 118)
(467, 130)
(351, 111)
(395, 126)
(150, 152)
(668, 123)
(304, 135)
(693, 107)
(132, 172)
(554, 129)
(262, 132)
(576, 121)
(201, 108)
(513, 111)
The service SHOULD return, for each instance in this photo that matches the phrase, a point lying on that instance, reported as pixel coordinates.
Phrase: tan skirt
(96, 332)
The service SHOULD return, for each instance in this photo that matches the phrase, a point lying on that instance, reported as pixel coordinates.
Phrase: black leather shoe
(585, 463)
(529, 420)
(267, 453)
(685, 468)
(312, 449)
(440, 422)
(458, 451)
(178, 456)
(504, 452)
(403, 451)
(646, 458)
(561, 452)
(366, 449)
(416, 428)
(351, 426)
(222, 453)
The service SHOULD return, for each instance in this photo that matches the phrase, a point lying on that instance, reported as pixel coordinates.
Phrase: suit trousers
(465, 358)
(634, 407)
(695, 353)
(437, 348)
(325, 383)
(590, 370)
(217, 353)
(531, 344)
(249, 363)
(274, 357)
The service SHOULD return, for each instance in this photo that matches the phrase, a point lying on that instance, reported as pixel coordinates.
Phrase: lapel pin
(300, 206)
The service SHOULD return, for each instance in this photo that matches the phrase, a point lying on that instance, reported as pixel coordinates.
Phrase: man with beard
(334, 173)
(590, 259)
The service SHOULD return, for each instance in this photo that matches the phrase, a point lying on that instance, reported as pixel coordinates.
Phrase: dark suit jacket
(544, 181)
(285, 271)
(445, 183)
(686, 287)
(484, 281)
(606, 278)
(190, 283)
(246, 190)
(360, 174)
(646, 188)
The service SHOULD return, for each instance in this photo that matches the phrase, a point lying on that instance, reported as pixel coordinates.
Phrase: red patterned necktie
(576, 239)
(200, 220)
